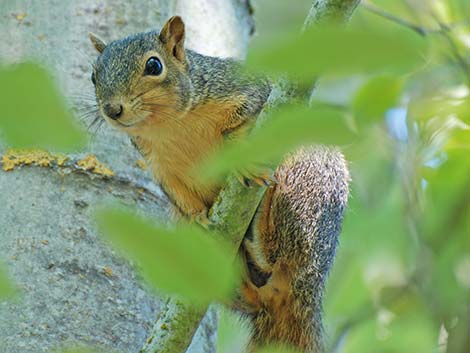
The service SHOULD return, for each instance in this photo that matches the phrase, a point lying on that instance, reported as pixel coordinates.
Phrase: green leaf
(375, 97)
(289, 127)
(445, 228)
(375, 252)
(447, 198)
(459, 139)
(6, 289)
(341, 50)
(346, 290)
(33, 112)
(459, 9)
(407, 330)
(451, 11)
(373, 167)
(232, 333)
(184, 261)
(427, 108)
(451, 275)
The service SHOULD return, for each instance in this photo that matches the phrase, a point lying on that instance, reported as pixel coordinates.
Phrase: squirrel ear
(97, 42)
(172, 36)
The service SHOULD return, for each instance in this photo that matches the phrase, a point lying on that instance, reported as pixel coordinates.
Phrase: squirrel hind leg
(294, 237)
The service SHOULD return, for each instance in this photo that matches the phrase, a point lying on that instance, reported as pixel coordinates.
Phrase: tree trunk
(74, 288)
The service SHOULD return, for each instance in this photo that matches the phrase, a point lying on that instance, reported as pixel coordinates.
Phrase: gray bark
(74, 288)
(336, 11)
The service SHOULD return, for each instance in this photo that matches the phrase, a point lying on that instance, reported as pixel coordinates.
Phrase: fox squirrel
(178, 106)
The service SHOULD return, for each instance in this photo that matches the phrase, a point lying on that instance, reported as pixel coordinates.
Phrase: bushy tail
(291, 246)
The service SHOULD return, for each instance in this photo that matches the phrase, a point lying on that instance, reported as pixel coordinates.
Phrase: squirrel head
(143, 79)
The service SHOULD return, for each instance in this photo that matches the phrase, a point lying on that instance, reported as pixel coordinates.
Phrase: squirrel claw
(243, 180)
(202, 219)
(259, 176)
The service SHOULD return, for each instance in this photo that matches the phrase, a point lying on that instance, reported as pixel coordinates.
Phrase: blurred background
(401, 279)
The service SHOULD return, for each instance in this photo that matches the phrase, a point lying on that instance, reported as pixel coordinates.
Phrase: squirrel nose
(113, 111)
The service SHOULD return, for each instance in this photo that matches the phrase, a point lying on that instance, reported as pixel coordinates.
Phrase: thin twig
(444, 30)
(461, 62)
(421, 30)
(332, 11)
(398, 20)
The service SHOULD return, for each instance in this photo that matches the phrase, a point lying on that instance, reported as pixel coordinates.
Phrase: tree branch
(174, 328)
(323, 11)
(460, 60)
(391, 17)
(230, 216)
(421, 30)
(444, 30)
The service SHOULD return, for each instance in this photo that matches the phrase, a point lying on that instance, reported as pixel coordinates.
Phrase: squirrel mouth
(123, 124)
(130, 123)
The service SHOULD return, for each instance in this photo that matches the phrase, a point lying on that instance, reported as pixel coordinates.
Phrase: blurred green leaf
(184, 261)
(6, 289)
(459, 9)
(373, 168)
(33, 111)
(458, 332)
(375, 252)
(232, 333)
(459, 139)
(375, 97)
(452, 11)
(341, 50)
(422, 109)
(450, 276)
(392, 332)
(444, 226)
(346, 292)
(447, 198)
(287, 128)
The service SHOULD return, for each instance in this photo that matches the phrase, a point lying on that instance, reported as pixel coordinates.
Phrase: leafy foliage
(232, 335)
(287, 128)
(340, 50)
(33, 111)
(183, 261)
(375, 97)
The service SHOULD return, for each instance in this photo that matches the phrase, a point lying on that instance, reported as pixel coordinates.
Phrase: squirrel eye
(153, 66)
(93, 79)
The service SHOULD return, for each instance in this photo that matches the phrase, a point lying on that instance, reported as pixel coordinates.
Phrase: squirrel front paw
(263, 176)
(201, 218)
